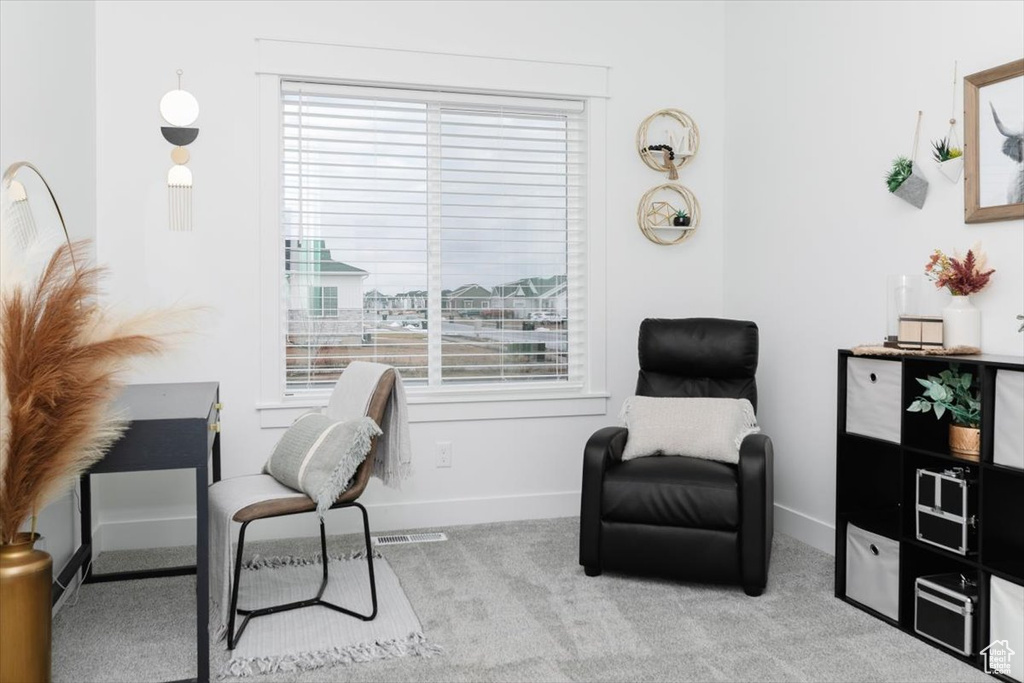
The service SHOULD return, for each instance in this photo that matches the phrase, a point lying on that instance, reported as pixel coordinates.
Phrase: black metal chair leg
(323, 559)
(318, 600)
(232, 640)
(369, 562)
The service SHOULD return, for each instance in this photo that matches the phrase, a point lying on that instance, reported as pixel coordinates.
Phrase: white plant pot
(951, 168)
(961, 323)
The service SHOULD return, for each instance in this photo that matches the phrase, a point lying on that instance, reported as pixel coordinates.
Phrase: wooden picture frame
(977, 190)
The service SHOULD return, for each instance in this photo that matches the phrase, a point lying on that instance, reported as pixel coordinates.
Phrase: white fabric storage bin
(873, 571)
(873, 391)
(1006, 622)
(1008, 440)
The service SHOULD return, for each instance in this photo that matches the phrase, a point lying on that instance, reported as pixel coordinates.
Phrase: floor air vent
(398, 539)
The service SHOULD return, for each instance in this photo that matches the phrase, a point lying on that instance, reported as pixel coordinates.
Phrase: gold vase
(965, 442)
(26, 575)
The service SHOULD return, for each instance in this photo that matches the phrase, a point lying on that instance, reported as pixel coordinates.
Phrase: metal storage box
(873, 571)
(873, 391)
(944, 606)
(1008, 442)
(946, 509)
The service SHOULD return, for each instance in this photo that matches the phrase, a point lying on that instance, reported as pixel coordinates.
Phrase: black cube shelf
(876, 483)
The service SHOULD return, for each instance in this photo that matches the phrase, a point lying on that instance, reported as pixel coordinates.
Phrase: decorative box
(946, 504)
(873, 571)
(1008, 442)
(920, 332)
(944, 606)
(874, 397)
(1005, 629)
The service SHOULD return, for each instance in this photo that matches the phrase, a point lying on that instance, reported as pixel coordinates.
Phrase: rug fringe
(415, 645)
(257, 562)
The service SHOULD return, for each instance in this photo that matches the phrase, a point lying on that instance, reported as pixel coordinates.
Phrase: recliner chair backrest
(694, 357)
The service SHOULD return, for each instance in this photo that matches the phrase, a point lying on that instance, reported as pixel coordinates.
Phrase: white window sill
(458, 406)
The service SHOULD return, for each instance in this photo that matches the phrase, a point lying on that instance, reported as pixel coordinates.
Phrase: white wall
(47, 117)
(503, 469)
(819, 98)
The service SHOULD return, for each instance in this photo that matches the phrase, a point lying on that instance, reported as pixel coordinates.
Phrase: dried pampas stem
(60, 358)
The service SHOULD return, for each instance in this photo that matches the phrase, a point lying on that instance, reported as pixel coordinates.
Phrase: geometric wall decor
(659, 210)
(180, 109)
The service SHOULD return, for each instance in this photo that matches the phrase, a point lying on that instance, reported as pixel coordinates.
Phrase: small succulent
(681, 213)
(900, 171)
(943, 152)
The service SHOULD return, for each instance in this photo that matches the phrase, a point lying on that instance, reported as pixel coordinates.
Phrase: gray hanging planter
(914, 189)
(906, 182)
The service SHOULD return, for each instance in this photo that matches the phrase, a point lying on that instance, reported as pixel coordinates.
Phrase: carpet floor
(508, 602)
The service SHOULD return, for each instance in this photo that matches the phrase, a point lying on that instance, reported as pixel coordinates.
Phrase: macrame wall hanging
(948, 152)
(180, 109)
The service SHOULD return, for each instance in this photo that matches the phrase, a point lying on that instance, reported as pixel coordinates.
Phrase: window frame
(400, 69)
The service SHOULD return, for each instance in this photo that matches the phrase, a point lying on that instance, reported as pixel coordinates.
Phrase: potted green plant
(681, 219)
(952, 392)
(903, 182)
(949, 159)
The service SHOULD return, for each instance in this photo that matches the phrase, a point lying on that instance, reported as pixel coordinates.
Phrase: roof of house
(530, 286)
(329, 265)
(473, 290)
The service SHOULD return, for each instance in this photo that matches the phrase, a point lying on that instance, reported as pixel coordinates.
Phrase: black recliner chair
(677, 516)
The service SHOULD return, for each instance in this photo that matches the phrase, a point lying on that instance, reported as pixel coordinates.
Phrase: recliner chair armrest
(757, 507)
(602, 450)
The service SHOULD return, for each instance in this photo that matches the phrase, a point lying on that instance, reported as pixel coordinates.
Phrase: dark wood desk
(172, 426)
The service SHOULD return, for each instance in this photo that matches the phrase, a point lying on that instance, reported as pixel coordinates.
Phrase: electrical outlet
(443, 451)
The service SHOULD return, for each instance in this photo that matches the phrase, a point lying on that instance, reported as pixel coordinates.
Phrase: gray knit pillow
(319, 456)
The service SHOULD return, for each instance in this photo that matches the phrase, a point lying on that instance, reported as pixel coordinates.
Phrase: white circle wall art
(179, 108)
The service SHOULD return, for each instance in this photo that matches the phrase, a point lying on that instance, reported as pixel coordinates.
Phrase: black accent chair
(683, 517)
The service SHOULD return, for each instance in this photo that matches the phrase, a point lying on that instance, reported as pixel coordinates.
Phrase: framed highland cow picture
(994, 144)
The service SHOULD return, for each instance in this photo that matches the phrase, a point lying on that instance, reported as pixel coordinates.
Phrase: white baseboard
(150, 533)
(813, 532)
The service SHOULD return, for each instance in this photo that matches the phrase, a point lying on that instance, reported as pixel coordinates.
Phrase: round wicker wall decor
(675, 129)
(658, 208)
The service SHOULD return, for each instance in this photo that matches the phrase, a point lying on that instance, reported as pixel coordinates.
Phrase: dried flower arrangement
(962, 276)
(61, 355)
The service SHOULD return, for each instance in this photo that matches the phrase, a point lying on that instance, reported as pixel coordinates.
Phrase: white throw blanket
(350, 399)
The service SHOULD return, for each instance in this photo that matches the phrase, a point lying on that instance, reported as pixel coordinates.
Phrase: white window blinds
(440, 233)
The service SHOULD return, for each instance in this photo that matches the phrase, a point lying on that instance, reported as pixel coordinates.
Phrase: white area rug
(313, 637)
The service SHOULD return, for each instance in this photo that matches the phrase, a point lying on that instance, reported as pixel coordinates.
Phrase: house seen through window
(439, 233)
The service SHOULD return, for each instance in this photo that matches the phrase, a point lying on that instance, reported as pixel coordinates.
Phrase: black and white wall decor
(180, 110)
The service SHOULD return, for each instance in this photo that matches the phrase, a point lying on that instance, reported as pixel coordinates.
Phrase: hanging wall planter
(904, 178)
(949, 160)
(948, 153)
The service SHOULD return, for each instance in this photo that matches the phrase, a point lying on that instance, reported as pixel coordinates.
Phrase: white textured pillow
(319, 456)
(710, 428)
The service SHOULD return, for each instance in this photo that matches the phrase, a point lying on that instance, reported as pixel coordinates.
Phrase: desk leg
(202, 576)
(86, 520)
(216, 458)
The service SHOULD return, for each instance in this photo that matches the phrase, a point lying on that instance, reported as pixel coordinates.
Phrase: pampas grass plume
(62, 355)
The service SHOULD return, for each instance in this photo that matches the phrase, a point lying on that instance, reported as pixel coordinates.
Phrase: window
(429, 231)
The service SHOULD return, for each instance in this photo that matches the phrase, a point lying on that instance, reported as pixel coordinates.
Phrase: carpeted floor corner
(508, 602)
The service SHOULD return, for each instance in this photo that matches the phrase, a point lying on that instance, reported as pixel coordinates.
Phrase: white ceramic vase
(961, 323)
